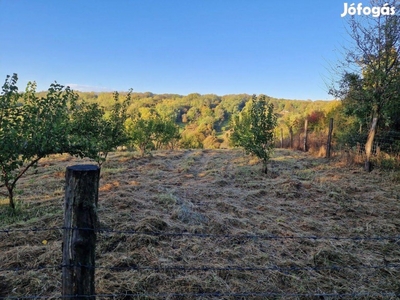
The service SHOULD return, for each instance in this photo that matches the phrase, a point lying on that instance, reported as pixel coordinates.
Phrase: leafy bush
(253, 128)
(152, 132)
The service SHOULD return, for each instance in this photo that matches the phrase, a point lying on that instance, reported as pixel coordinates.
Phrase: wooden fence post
(305, 146)
(291, 137)
(281, 138)
(329, 143)
(79, 240)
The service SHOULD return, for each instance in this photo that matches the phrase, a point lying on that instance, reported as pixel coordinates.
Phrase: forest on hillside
(204, 121)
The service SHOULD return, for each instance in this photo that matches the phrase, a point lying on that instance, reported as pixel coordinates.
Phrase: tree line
(204, 121)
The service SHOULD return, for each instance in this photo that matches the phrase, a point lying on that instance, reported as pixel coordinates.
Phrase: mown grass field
(224, 194)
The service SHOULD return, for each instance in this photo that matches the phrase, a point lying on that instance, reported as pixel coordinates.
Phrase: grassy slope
(219, 192)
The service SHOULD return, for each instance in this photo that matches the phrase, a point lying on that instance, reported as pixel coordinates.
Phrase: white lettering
(367, 11)
(352, 10)
(376, 11)
(345, 10)
(385, 11)
(359, 9)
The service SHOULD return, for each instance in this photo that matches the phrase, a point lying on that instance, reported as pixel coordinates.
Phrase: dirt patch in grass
(208, 221)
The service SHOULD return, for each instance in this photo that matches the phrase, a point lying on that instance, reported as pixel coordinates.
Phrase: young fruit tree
(369, 84)
(31, 128)
(148, 130)
(253, 129)
(94, 133)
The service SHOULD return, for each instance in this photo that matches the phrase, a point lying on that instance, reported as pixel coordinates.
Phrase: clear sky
(283, 49)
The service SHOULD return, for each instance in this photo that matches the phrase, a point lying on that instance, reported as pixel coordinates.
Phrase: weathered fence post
(281, 137)
(291, 137)
(305, 146)
(329, 143)
(79, 240)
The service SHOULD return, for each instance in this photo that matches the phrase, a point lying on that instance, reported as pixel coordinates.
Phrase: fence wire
(376, 295)
(208, 235)
(204, 268)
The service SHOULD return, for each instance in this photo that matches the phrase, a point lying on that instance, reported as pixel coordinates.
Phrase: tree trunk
(11, 197)
(369, 144)
(265, 168)
(305, 147)
(291, 137)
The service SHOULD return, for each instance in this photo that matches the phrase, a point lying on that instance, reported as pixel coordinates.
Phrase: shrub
(253, 128)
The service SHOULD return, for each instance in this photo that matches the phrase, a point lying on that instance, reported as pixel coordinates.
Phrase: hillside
(195, 222)
(204, 120)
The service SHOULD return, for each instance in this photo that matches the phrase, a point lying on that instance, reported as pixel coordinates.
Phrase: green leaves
(93, 134)
(253, 128)
(86, 129)
(152, 132)
(369, 84)
(30, 128)
(11, 131)
(33, 127)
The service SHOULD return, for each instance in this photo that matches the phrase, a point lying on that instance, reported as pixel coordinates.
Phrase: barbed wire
(206, 268)
(180, 268)
(205, 235)
(22, 269)
(218, 295)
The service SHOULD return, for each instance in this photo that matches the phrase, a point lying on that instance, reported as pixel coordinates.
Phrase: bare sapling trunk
(305, 146)
(369, 144)
(11, 197)
(329, 142)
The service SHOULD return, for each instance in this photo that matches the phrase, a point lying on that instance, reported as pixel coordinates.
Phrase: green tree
(94, 133)
(114, 130)
(141, 132)
(166, 133)
(253, 129)
(11, 136)
(31, 129)
(369, 84)
(86, 128)
(152, 131)
(293, 123)
(193, 114)
(34, 126)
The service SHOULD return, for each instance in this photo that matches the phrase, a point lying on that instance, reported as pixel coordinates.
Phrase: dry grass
(219, 192)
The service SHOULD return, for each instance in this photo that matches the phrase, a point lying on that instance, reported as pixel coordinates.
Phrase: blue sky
(283, 49)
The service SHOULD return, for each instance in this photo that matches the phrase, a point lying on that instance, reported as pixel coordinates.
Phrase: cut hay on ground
(209, 221)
